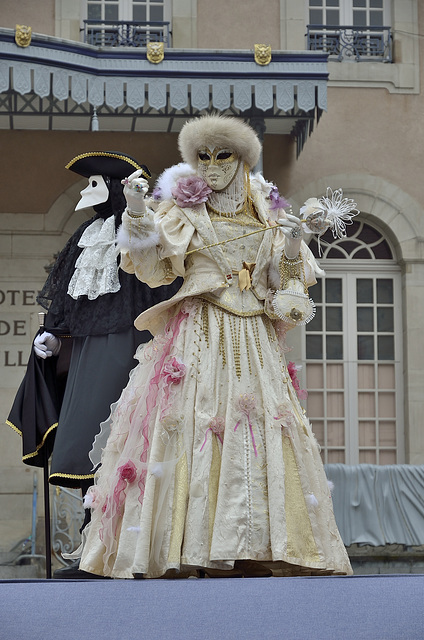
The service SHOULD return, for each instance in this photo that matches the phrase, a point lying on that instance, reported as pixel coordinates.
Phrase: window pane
(332, 3)
(365, 348)
(315, 404)
(336, 456)
(314, 376)
(366, 405)
(382, 251)
(139, 13)
(317, 291)
(359, 3)
(156, 14)
(94, 12)
(332, 17)
(315, 3)
(335, 407)
(367, 435)
(335, 254)
(367, 457)
(387, 433)
(376, 4)
(318, 429)
(334, 320)
(386, 376)
(334, 347)
(362, 254)
(386, 347)
(111, 12)
(384, 291)
(366, 376)
(364, 292)
(386, 405)
(376, 19)
(336, 434)
(359, 18)
(335, 376)
(369, 235)
(315, 16)
(333, 290)
(387, 457)
(314, 347)
(316, 323)
(385, 319)
(365, 318)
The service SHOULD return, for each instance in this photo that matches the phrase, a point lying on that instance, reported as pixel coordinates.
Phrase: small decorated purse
(291, 303)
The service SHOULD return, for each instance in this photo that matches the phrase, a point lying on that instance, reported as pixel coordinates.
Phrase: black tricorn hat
(106, 163)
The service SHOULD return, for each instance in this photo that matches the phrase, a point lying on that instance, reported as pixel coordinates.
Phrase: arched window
(353, 350)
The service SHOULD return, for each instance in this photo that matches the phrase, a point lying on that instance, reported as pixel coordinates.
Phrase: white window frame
(349, 271)
(125, 10)
(346, 12)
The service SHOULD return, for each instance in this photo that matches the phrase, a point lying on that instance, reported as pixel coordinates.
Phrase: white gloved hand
(46, 345)
(135, 189)
(291, 228)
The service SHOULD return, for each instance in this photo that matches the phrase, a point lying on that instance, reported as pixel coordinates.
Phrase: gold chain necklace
(226, 214)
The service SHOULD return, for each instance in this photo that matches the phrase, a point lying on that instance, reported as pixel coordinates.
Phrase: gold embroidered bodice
(237, 252)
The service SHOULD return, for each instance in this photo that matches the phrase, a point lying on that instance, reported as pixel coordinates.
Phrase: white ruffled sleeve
(153, 246)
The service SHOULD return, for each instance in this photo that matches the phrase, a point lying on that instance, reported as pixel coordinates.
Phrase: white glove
(46, 345)
(291, 228)
(135, 189)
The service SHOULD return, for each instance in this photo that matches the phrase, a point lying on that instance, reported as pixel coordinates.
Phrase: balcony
(117, 33)
(357, 44)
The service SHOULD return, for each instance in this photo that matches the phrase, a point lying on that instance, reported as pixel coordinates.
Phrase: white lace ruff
(96, 270)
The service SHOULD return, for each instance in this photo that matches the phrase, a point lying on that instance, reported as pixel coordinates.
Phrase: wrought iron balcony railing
(119, 33)
(351, 43)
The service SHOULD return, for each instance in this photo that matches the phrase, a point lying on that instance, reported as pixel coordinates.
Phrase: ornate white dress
(210, 458)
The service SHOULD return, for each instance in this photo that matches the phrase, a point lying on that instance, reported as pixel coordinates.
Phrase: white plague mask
(95, 193)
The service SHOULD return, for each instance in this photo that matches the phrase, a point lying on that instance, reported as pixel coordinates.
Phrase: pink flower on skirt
(292, 368)
(173, 371)
(217, 425)
(247, 402)
(191, 191)
(128, 471)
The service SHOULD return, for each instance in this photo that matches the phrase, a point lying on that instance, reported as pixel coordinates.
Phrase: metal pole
(47, 532)
(46, 486)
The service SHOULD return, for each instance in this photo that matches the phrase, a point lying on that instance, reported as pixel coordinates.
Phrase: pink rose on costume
(173, 371)
(292, 368)
(191, 191)
(217, 426)
(247, 403)
(128, 471)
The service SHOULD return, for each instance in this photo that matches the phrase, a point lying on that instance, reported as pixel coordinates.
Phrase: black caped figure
(88, 341)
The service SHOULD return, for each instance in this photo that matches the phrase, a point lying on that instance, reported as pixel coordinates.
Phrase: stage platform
(311, 608)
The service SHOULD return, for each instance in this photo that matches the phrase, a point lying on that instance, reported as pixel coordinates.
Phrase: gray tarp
(378, 505)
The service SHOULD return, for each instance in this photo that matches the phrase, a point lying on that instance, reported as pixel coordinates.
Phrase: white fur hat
(219, 131)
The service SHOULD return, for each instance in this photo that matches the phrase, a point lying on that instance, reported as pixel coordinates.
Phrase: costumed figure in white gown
(208, 460)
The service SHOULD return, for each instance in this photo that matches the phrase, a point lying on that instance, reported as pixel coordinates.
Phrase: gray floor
(319, 608)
